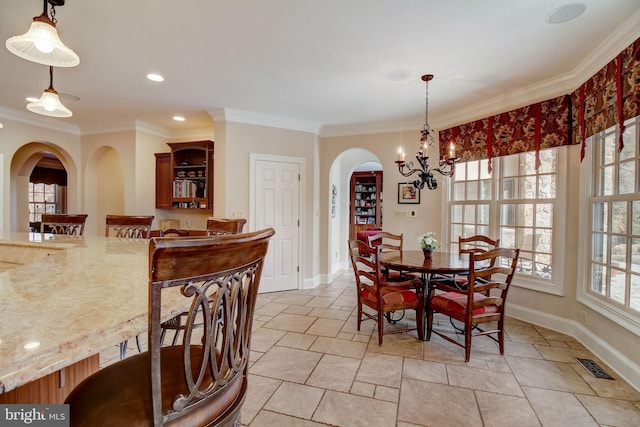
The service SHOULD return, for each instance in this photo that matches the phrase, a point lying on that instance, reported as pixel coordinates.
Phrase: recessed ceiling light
(178, 118)
(155, 77)
(566, 13)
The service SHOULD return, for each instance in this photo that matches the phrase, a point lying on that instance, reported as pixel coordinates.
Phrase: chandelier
(41, 43)
(423, 170)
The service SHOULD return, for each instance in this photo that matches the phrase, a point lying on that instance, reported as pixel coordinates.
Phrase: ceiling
(329, 66)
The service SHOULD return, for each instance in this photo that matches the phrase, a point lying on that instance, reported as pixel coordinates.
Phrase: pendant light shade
(49, 103)
(42, 45)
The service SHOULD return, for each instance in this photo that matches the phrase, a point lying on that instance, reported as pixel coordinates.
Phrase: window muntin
(472, 189)
(614, 262)
(42, 199)
(521, 209)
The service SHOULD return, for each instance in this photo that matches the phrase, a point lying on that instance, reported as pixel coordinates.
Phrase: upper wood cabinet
(184, 177)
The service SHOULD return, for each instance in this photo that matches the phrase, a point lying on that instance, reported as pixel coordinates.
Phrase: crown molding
(369, 128)
(127, 126)
(38, 121)
(249, 117)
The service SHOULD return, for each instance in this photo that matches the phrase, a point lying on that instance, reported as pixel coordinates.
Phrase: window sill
(538, 285)
(615, 314)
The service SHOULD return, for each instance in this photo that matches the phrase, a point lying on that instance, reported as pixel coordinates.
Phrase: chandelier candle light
(423, 170)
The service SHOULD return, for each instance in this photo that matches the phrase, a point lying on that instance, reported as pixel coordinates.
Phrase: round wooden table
(444, 263)
(414, 261)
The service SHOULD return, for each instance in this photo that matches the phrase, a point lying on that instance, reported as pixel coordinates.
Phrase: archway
(23, 164)
(339, 177)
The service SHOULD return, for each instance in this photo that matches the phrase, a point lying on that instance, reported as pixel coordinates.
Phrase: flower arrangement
(428, 241)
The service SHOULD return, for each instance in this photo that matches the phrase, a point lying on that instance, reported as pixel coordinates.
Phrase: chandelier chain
(426, 108)
(53, 15)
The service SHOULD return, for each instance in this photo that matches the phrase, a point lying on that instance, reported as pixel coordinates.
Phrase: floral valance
(611, 96)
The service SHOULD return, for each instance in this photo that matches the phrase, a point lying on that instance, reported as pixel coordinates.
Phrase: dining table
(414, 261)
(445, 263)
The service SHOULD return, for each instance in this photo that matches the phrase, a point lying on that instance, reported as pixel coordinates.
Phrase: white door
(277, 204)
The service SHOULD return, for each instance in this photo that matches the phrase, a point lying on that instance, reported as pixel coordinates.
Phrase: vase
(427, 253)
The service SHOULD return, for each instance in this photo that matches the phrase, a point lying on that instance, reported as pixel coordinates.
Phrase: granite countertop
(73, 303)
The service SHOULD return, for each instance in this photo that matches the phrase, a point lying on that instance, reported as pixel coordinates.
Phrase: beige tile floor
(311, 367)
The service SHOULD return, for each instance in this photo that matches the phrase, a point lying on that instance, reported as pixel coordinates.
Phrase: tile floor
(311, 367)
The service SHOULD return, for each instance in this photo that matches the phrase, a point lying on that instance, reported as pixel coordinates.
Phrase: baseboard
(313, 282)
(623, 367)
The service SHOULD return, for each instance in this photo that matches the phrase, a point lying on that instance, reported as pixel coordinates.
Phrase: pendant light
(41, 43)
(423, 170)
(49, 103)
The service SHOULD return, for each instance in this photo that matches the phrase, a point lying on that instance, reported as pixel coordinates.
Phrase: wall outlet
(413, 213)
(188, 223)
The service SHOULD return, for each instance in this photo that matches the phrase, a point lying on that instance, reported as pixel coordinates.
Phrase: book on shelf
(184, 188)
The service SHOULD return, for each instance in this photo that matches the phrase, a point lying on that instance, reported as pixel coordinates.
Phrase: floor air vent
(594, 368)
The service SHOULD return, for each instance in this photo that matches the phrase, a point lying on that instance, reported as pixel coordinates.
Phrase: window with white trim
(470, 206)
(515, 203)
(42, 199)
(614, 256)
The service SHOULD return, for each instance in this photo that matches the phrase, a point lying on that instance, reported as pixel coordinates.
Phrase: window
(42, 199)
(471, 194)
(515, 203)
(526, 203)
(614, 255)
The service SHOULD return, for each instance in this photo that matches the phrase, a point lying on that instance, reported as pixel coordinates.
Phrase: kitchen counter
(76, 297)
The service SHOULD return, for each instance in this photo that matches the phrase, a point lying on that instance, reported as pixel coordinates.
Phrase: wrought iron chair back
(203, 379)
(217, 226)
(129, 227)
(69, 224)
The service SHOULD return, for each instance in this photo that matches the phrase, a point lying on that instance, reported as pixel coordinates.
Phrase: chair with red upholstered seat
(389, 242)
(203, 380)
(381, 295)
(483, 300)
(476, 244)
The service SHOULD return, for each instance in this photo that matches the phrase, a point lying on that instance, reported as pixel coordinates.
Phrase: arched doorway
(339, 178)
(34, 164)
(47, 189)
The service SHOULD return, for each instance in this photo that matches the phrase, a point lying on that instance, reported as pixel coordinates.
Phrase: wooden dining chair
(476, 244)
(128, 226)
(389, 242)
(202, 380)
(381, 295)
(69, 224)
(173, 232)
(217, 226)
(483, 300)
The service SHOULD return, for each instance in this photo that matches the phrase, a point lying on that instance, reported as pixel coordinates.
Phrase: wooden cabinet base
(55, 387)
